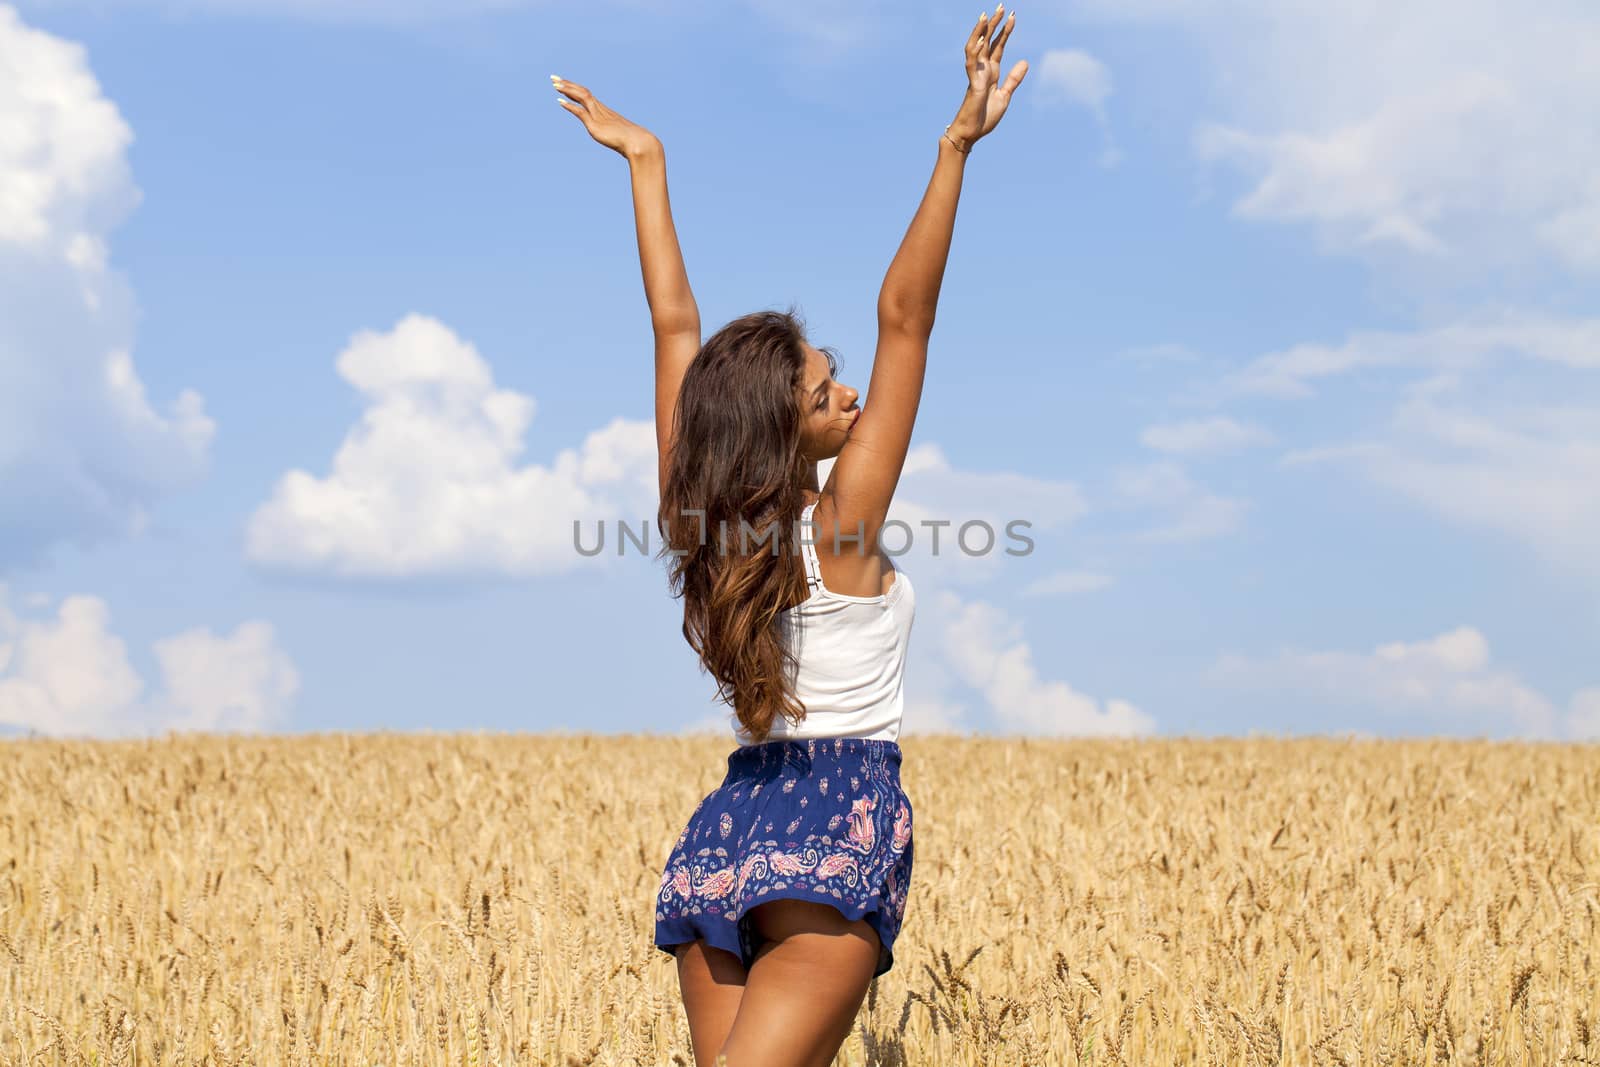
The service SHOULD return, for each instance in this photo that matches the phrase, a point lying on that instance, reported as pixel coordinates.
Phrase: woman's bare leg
(712, 982)
(804, 988)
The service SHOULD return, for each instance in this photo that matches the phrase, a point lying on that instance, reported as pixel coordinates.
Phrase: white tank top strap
(808, 550)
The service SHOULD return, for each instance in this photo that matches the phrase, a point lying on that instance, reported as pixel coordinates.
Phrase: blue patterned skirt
(821, 819)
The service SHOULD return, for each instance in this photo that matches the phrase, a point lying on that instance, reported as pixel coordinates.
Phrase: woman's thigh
(712, 983)
(804, 988)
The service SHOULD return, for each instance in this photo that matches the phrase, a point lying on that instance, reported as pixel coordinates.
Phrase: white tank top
(852, 656)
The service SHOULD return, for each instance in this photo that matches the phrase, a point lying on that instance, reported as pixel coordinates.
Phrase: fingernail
(555, 79)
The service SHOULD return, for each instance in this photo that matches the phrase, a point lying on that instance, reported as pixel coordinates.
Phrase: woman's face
(828, 408)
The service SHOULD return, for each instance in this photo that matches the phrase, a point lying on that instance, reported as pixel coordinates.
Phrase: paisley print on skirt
(821, 819)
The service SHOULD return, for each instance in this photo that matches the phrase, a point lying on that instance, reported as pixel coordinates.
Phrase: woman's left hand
(604, 125)
(987, 97)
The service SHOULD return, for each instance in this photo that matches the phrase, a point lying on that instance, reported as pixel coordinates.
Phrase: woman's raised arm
(674, 316)
(868, 467)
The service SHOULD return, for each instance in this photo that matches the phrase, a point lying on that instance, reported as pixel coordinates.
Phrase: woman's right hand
(604, 125)
(987, 98)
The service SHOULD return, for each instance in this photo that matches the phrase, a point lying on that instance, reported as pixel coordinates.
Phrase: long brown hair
(736, 457)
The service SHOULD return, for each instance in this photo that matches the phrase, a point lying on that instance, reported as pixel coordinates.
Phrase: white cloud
(968, 525)
(1212, 435)
(926, 717)
(1526, 473)
(82, 450)
(70, 676)
(976, 645)
(1470, 343)
(1343, 178)
(1457, 126)
(1501, 432)
(427, 481)
(1066, 583)
(985, 650)
(242, 681)
(1583, 718)
(834, 27)
(1077, 77)
(1193, 512)
(1575, 232)
(64, 180)
(1450, 678)
(932, 488)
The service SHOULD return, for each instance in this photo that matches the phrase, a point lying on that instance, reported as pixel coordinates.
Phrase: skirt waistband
(875, 758)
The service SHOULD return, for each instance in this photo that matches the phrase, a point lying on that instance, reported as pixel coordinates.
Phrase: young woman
(783, 895)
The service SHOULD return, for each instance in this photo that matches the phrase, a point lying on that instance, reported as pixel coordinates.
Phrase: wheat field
(488, 899)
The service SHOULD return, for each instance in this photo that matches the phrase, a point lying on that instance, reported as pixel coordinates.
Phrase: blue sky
(320, 322)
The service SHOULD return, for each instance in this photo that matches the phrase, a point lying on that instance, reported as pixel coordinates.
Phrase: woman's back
(851, 651)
